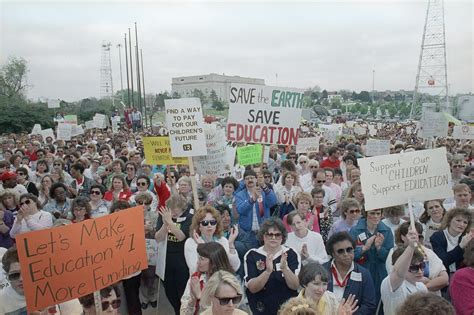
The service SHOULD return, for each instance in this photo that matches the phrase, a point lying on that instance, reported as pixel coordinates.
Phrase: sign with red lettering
(64, 263)
(264, 114)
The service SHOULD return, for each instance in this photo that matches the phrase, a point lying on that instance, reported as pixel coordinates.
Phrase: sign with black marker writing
(64, 263)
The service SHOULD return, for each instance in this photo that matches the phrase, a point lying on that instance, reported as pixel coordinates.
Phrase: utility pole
(139, 89)
(126, 67)
(373, 86)
(143, 85)
(119, 46)
(131, 65)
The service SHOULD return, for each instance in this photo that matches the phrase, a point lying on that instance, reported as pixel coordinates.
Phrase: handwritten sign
(70, 119)
(250, 154)
(331, 131)
(158, 151)
(55, 103)
(151, 251)
(433, 125)
(47, 133)
(36, 130)
(64, 132)
(77, 130)
(185, 125)
(391, 180)
(90, 124)
(377, 147)
(307, 145)
(67, 262)
(100, 121)
(215, 162)
(264, 114)
(463, 132)
(360, 130)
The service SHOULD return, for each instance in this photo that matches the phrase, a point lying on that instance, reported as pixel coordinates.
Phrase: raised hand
(349, 306)
(269, 263)
(284, 261)
(234, 232)
(379, 240)
(197, 238)
(166, 215)
(304, 251)
(195, 287)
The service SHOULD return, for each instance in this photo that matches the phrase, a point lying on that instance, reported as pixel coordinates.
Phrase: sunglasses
(313, 166)
(354, 211)
(303, 162)
(207, 222)
(348, 250)
(57, 164)
(143, 203)
(417, 267)
(142, 184)
(458, 166)
(27, 201)
(273, 235)
(320, 181)
(226, 300)
(96, 192)
(14, 276)
(115, 304)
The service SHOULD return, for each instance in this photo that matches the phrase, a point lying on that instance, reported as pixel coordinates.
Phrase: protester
(109, 301)
(432, 218)
(426, 303)
(462, 284)
(30, 217)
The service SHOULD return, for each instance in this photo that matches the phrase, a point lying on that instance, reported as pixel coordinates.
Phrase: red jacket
(327, 163)
(123, 195)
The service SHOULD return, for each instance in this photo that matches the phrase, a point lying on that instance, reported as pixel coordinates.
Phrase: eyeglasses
(130, 168)
(313, 166)
(348, 250)
(320, 181)
(458, 166)
(226, 300)
(115, 304)
(108, 170)
(303, 162)
(143, 203)
(141, 184)
(417, 267)
(207, 222)
(27, 201)
(14, 276)
(20, 174)
(273, 235)
(57, 164)
(96, 192)
(79, 209)
(354, 211)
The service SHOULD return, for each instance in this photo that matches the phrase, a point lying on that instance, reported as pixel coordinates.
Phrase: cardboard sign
(185, 125)
(377, 147)
(77, 130)
(64, 132)
(307, 145)
(360, 130)
(250, 154)
(391, 180)
(264, 114)
(158, 152)
(47, 133)
(36, 130)
(100, 121)
(90, 124)
(151, 251)
(64, 263)
(215, 162)
(331, 131)
(433, 125)
(70, 119)
(54, 103)
(463, 132)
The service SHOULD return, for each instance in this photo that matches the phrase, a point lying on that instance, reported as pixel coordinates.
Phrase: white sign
(36, 129)
(463, 132)
(264, 114)
(90, 124)
(215, 162)
(47, 133)
(391, 180)
(331, 131)
(185, 125)
(54, 103)
(151, 251)
(64, 132)
(77, 130)
(377, 147)
(100, 121)
(115, 124)
(433, 125)
(360, 130)
(372, 130)
(307, 145)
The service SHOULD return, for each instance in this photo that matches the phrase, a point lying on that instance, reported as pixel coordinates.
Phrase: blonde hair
(298, 306)
(215, 281)
(200, 214)
(303, 196)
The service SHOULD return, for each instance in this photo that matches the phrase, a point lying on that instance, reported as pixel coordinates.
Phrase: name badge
(362, 237)
(356, 276)
(180, 219)
(321, 215)
(277, 267)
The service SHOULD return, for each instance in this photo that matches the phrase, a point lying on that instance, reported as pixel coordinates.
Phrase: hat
(7, 175)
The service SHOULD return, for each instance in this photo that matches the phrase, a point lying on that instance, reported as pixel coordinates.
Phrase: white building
(185, 86)
(466, 107)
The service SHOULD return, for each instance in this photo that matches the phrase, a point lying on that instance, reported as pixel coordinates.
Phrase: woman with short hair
(350, 214)
(80, 209)
(30, 217)
(270, 271)
(99, 207)
(118, 189)
(432, 217)
(22, 179)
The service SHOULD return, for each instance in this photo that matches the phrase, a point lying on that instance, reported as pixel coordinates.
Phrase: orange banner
(68, 262)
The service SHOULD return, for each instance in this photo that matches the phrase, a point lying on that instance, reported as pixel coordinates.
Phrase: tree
(364, 96)
(218, 105)
(175, 95)
(336, 103)
(354, 96)
(325, 95)
(307, 102)
(199, 94)
(346, 94)
(13, 77)
(373, 110)
(213, 96)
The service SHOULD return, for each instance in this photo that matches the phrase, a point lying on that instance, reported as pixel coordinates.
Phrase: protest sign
(67, 262)
(77, 130)
(463, 132)
(331, 131)
(64, 132)
(433, 125)
(377, 147)
(70, 119)
(115, 124)
(185, 125)
(90, 124)
(100, 121)
(47, 133)
(360, 130)
(372, 130)
(307, 145)
(215, 162)
(36, 130)
(264, 114)
(151, 251)
(54, 103)
(158, 151)
(391, 180)
(250, 154)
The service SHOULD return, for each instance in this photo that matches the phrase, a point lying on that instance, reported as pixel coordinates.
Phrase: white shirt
(38, 221)
(314, 242)
(392, 227)
(392, 300)
(337, 290)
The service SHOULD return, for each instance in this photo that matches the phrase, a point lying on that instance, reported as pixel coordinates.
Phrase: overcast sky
(333, 44)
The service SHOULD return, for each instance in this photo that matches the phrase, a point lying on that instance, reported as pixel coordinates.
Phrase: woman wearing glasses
(223, 294)
(350, 214)
(207, 227)
(212, 258)
(99, 207)
(142, 184)
(22, 179)
(270, 271)
(348, 278)
(131, 176)
(109, 299)
(30, 217)
(80, 209)
(435, 276)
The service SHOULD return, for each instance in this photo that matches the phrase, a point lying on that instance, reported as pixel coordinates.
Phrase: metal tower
(106, 82)
(432, 76)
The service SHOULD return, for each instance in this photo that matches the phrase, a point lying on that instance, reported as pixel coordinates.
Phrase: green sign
(250, 154)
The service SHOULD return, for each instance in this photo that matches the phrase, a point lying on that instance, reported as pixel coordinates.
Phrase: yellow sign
(158, 151)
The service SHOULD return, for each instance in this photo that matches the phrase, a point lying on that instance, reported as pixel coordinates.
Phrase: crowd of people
(288, 236)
